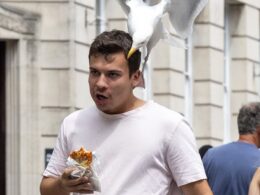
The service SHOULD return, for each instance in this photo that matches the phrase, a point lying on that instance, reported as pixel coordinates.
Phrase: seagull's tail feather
(182, 14)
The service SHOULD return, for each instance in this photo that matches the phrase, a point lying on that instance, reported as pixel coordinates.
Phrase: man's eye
(94, 72)
(113, 75)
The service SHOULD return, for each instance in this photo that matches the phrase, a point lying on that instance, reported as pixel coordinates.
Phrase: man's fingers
(74, 182)
(84, 188)
(81, 187)
(67, 172)
(85, 191)
(77, 181)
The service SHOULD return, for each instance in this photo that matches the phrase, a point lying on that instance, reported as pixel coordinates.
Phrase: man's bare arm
(63, 185)
(200, 187)
(52, 186)
(254, 187)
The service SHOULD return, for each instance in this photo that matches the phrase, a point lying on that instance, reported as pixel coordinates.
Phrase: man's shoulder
(216, 151)
(81, 113)
(235, 148)
(161, 109)
(166, 117)
(223, 147)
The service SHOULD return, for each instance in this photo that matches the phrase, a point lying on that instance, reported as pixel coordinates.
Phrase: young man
(143, 148)
(234, 168)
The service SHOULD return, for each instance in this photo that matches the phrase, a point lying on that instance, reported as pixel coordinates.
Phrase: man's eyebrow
(113, 70)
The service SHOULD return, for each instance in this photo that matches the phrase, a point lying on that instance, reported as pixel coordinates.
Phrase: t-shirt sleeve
(57, 162)
(182, 155)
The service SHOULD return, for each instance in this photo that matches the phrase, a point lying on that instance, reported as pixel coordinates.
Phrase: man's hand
(79, 185)
(64, 184)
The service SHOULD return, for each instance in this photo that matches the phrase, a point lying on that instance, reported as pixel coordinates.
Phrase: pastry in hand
(82, 156)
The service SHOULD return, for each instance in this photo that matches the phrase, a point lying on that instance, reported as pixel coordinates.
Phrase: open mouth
(101, 97)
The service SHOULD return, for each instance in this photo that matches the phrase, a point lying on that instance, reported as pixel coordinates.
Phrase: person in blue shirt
(233, 168)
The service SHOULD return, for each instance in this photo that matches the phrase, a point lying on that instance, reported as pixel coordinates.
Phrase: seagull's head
(140, 39)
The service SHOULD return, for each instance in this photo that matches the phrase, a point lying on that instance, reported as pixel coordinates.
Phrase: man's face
(111, 88)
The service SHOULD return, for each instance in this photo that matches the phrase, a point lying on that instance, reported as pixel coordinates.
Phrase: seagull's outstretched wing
(146, 27)
(160, 32)
(182, 14)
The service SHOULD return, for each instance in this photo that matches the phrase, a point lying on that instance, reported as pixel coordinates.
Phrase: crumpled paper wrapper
(90, 172)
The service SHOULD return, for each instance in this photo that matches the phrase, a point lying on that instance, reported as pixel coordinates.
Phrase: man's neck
(249, 138)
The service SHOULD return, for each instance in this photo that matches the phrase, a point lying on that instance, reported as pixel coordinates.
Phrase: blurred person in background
(203, 149)
(233, 168)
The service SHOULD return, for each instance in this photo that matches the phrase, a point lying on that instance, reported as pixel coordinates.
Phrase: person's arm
(254, 187)
(200, 187)
(63, 185)
(51, 186)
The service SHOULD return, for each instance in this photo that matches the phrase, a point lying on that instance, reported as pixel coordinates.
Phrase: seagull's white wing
(160, 32)
(124, 6)
(182, 14)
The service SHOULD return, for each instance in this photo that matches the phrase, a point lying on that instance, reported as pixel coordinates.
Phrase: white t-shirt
(146, 151)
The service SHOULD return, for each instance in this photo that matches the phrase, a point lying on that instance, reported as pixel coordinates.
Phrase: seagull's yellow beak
(131, 52)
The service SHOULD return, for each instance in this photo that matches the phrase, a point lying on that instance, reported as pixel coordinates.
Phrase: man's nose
(102, 81)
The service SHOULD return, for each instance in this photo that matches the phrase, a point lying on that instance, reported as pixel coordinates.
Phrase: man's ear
(136, 78)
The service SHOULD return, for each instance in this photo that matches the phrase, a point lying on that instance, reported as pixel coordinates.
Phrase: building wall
(209, 74)
(245, 53)
(51, 75)
(52, 64)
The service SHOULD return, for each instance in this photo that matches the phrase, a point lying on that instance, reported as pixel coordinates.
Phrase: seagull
(145, 24)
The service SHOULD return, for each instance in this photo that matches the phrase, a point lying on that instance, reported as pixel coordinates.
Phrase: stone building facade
(44, 67)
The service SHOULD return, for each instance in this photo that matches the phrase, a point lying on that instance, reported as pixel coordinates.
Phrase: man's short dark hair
(111, 42)
(248, 118)
(203, 149)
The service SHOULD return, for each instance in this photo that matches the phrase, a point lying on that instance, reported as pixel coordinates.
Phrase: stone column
(245, 57)
(208, 59)
(18, 28)
(12, 123)
(169, 76)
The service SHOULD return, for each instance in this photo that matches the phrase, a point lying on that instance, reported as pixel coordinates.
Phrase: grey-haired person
(233, 168)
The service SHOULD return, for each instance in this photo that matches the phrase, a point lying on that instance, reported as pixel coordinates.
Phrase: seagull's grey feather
(182, 14)
(124, 6)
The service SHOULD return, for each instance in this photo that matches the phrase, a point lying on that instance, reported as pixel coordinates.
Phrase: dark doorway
(2, 117)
